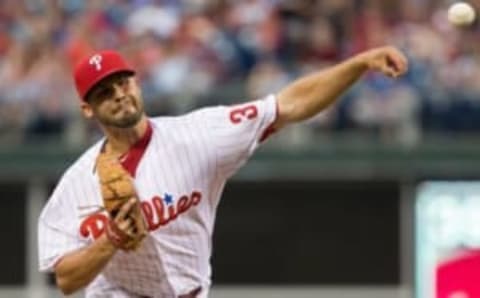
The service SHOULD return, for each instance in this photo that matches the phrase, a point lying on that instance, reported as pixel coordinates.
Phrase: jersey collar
(132, 157)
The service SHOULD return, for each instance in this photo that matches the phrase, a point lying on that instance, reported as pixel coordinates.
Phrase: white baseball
(461, 14)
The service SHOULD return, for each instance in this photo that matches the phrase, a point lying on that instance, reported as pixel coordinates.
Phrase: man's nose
(119, 92)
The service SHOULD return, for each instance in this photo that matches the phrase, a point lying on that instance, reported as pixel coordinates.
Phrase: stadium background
(324, 209)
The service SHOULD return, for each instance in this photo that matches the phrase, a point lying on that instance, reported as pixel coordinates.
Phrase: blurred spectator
(267, 77)
(190, 53)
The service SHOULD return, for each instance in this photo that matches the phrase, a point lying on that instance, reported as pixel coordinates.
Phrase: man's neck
(119, 140)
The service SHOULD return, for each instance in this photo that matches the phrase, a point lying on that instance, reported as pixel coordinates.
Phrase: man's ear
(87, 110)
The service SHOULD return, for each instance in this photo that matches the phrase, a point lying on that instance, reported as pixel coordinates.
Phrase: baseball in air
(461, 14)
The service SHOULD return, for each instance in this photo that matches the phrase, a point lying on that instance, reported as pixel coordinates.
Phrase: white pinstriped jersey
(179, 180)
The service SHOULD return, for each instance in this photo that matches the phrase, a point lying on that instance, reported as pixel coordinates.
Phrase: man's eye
(123, 81)
(106, 92)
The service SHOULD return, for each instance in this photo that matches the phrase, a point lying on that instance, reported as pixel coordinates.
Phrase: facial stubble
(126, 121)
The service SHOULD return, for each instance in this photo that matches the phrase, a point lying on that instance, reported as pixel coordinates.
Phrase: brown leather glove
(117, 188)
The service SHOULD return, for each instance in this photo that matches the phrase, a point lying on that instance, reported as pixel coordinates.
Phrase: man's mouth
(126, 107)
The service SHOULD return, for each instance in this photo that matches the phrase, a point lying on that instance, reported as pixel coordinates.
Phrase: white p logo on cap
(96, 60)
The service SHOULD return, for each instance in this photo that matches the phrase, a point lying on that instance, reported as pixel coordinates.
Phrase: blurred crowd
(193, 53)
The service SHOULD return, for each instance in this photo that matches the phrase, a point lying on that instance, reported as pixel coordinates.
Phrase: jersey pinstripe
(179, 181)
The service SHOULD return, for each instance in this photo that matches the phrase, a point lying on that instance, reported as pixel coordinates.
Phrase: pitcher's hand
(388, 60)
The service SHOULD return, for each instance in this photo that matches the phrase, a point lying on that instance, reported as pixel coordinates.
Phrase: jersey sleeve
(236, 131)
(57, 229)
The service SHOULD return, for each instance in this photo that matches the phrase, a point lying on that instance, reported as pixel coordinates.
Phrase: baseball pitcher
(134, 215)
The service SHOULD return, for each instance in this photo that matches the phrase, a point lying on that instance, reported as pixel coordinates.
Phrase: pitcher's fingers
(399, 60)
(125, 224)
(125, 209)
(131, 232)
(391, 62)
(386, 70)
(404, 62)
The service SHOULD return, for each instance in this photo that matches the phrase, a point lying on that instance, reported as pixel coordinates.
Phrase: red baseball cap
(94, 68)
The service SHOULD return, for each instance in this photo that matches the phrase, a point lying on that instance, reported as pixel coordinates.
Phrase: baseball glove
(117, 188)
